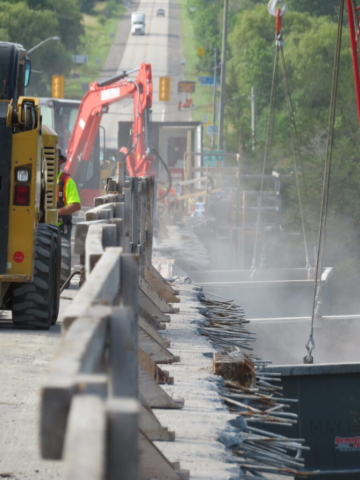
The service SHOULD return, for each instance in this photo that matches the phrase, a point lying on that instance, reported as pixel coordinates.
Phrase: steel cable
(268, 145)
(310, 345)
(295, 148)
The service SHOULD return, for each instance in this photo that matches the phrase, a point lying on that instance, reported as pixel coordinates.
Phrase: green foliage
(87, 6)
(315, 7)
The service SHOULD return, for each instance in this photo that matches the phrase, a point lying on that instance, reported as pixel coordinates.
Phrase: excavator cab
(30, 245)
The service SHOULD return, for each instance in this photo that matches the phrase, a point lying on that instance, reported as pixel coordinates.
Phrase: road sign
(209, 81)
(186, 87)
(200, 52)
(213, 157)
(80, 59)
(212, 129)
(204, 119)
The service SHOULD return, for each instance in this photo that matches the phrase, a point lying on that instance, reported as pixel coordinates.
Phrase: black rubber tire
(65, 260)
(57, 242)
(34, 303)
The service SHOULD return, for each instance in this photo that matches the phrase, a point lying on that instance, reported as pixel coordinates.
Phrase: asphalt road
(162, 47)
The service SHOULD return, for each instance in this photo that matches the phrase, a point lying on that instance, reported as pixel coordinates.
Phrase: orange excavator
(95, 103)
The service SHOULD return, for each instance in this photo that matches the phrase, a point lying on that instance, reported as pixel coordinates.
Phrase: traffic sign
(80, 59)
(164, 89)
(186, 87)
(212, 157)
(209, 81)
(212, 129)
(200, 52)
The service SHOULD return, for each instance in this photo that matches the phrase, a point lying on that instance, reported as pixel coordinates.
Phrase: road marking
(163, 115)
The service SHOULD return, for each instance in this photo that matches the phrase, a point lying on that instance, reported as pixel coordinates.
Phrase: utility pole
(223, 76)
(214, 98)
(253, 116)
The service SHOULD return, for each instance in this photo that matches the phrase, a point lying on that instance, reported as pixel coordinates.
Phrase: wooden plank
(148, 290)
(155, 396)
(154, 349)
(142, 226)
(147, 363)
(159, 277)
(101, 287)
(123, 439)
(151, 308)
(92, 384)
(151, 331)
(129, 267)
(80, 352)
(151, 426)
(149, 319)
(99, 236)
(127, 220)
(123, 355)
(135, 214)
(160, 287)
(104, 199)
(101, 212)
(153, 464)
(84, 446)
(81, 231)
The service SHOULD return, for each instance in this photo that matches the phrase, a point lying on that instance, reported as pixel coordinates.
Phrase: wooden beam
(101, 287)
(160, 287)
(153, 464)
(151, 426)
(154, 349)
(149, 291)
(80, 352)
(155, 396)
(147, 363)
(123, 355)
(151, 331)
(151, 308)
(123, 439)
(101, 212)
(84, 446)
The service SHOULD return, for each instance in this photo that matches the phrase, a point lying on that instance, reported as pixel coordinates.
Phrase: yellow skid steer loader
(30, 244)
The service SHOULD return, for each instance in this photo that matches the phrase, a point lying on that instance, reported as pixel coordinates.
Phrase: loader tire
(55, 231)
(34, 304)
(65, 260)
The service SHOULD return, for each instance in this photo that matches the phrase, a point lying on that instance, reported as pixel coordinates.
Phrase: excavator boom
(96, 102)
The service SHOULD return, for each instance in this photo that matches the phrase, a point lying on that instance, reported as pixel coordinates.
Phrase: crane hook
(275, 5)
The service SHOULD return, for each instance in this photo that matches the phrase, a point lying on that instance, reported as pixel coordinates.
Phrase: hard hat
(61, 156)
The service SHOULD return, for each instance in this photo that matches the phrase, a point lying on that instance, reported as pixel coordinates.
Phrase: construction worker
(68, 200)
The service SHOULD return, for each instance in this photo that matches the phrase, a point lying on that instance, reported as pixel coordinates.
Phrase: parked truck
(138, 23)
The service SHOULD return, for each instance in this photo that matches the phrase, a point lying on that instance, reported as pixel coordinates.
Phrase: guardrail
(96, 412)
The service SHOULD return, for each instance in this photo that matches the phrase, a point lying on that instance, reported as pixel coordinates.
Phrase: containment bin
(328, 391)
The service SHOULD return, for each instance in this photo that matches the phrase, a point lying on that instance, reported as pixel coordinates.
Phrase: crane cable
(279, 51)
(268, 145)
(295, 148)
(316, 313)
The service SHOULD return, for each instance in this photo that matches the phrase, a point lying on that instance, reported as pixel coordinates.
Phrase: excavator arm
(96, 102)
(354, 30)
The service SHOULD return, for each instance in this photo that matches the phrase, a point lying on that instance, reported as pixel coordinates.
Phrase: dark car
(160, 12)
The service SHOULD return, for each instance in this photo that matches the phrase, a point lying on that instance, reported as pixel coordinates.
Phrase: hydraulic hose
(167, 172)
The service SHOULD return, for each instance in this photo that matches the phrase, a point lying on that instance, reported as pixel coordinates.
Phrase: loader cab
(15, 71)
(60, 115)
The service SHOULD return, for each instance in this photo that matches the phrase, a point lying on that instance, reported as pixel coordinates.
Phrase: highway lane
(161, 46)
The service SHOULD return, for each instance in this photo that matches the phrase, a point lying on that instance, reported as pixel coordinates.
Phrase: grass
(203, 96)
(100, 33)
